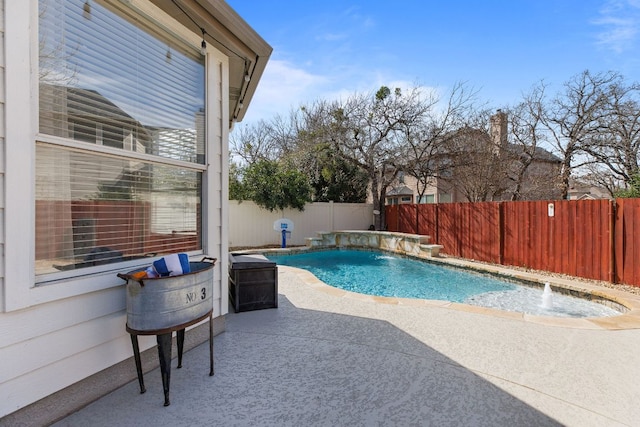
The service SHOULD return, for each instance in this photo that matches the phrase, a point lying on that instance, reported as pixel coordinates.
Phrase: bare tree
(425, 156)
(255, 142)
(474, 158)
(599, 176)
(532, 170)
(617, 146)
(284, 134)
(479, 167)
(54, 51)
(369, 131)
(575, 117)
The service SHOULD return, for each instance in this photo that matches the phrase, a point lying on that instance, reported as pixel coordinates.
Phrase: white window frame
(21, 124)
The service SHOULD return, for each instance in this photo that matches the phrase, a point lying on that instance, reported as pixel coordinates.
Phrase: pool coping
(629, 319)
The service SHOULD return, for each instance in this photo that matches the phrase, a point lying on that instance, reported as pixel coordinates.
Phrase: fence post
(331, 214)
(501, 232)
(612, 241)
(436, 223)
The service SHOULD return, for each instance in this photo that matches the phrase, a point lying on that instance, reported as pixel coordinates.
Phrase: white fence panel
(250, 225)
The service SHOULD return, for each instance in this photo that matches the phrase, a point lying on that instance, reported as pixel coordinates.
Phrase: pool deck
(332, 358)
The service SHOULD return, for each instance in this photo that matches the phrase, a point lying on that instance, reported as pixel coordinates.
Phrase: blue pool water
(383, 274)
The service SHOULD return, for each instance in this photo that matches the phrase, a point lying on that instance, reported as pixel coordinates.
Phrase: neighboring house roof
(498, 137)
(400, 191)
(248, 52)
(586, 197)
(539, 153)
(544, 155)
(467, 141)
(579, 190)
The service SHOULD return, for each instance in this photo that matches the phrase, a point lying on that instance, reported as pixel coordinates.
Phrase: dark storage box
(253, 282)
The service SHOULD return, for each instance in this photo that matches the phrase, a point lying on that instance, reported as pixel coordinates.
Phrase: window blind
(104, 81)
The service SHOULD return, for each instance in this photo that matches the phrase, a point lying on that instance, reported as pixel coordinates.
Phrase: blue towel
(172, 265)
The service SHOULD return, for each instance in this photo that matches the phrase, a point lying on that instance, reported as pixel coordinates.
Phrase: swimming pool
(384, 274)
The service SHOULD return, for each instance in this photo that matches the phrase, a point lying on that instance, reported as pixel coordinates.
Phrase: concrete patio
(325, 357)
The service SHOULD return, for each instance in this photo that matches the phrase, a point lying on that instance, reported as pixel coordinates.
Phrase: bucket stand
(166, 305)
(163, 337)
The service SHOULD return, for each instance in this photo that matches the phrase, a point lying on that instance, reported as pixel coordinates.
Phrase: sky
(331, 49)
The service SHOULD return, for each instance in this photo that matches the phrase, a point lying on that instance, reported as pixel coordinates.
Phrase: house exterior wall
(541, 182)
(60, 333)
(2, 150)
(441, 191)
(580, 191)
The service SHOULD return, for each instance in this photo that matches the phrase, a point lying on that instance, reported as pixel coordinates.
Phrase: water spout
(547, 297)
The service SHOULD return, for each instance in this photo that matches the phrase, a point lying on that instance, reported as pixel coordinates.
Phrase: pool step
(431, 250)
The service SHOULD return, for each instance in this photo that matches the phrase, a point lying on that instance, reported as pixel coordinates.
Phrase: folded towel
(172, 265)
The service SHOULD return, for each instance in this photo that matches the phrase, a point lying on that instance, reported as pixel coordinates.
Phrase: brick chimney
(498, 130)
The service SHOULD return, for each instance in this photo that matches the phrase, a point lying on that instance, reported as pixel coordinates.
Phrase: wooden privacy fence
(594, 239)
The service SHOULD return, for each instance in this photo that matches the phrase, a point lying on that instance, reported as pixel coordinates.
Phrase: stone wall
(402, 243)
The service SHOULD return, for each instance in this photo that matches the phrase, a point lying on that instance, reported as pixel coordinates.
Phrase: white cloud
(620, 20)
(332, 37)
(283, 86)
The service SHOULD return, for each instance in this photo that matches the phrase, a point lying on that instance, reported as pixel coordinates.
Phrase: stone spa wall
(402, 243)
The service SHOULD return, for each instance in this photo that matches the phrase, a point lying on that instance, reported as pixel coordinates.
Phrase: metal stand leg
(180, 341)
(211, 345)
(164, 340)
(136, 356)
(164, 354)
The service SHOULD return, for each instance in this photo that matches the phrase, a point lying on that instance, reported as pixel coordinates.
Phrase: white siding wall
(249, 225)
(59, 337)
(2, 139)
(216, 226)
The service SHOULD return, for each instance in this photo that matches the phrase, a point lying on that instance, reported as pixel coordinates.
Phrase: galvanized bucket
(161, 303)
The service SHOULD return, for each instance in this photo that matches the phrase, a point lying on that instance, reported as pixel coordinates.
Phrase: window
(120, 152)
(428, 198)
(445, 198)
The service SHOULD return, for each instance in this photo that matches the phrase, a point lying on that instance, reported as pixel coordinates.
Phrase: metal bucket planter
(156, 304)
(161, 305)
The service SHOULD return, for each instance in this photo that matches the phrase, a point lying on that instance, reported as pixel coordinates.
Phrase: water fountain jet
(547, 297)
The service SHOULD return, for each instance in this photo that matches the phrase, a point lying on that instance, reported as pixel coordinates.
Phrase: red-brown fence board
(407, 218)
(52, 218)
(116, 223)
(575, 240)
(522, 228)
(627, 242)
(428, 220)
(449, 230)
(485, 242)
(468, 230)
(579, 238)
(391, 218)
(119, 225)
